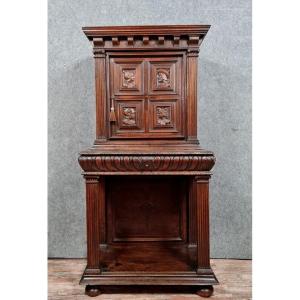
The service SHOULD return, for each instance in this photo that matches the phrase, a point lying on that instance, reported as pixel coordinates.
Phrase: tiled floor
(64, 275)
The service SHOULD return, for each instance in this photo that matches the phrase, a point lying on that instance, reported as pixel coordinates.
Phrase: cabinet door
(147, 96)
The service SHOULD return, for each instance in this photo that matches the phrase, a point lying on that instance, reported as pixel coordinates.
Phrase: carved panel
(128, 78)
(163, 78)
(128, 116)
(163, 115)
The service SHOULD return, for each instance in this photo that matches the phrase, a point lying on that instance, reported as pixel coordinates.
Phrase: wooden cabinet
(147, 178)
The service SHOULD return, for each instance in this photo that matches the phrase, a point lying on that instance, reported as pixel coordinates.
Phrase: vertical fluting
(202, 183)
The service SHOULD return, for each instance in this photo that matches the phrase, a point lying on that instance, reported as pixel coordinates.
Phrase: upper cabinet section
(146, 82)
(146, 37)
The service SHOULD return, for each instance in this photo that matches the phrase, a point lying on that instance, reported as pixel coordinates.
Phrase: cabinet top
(145, 30)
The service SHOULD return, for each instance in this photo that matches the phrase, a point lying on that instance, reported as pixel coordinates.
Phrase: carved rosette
(181, 164)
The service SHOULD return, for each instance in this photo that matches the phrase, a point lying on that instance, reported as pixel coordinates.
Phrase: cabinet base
(119, 282)
(205, 291)
(191, 278)
(92, 290)
(95, 290)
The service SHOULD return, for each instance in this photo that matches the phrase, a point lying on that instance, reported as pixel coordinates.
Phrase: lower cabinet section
(149, 233)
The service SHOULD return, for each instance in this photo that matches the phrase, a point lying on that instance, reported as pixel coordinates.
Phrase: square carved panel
(164, 77)
(164, 115)
(128, 79)
(127, 76)
(129, 115)
(163, 80)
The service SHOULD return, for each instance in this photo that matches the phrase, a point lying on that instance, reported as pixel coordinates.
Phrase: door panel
(127, 76)
(164, 115)
(130, 114)
(147, 95)
(164, 76)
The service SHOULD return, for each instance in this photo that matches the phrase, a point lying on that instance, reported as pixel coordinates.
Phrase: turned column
(95, 198)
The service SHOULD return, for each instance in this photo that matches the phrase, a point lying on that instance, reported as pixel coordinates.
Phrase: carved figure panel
(163, 115)
(163, 78)
(129, 116)
(128, 78)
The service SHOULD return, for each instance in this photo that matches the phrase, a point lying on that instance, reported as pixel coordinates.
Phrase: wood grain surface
(234, 276)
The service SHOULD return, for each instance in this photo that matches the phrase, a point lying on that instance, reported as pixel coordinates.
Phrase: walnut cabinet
(147, 178)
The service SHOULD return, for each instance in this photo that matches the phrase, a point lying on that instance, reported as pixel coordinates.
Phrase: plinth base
(117, 279)
(125, 266)
(202, 290)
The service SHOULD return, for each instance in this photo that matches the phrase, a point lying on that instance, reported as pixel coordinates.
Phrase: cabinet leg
(92, 290)
(205, 291)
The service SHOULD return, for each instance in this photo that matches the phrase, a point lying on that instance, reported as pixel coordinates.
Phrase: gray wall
(224, 114)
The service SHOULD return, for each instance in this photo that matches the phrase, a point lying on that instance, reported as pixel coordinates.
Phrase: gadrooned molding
(138, 163)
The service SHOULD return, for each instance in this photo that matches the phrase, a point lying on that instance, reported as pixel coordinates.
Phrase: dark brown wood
(205, 291)
(100, 86)
(192, 212)
(203, 223)
(146, 94)
(92, 290)
(147, 178)
(192, 63)
(94, 208)
(136, 202)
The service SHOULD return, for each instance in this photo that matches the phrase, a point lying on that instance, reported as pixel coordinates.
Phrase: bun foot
(205, 291)
(92, 290)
